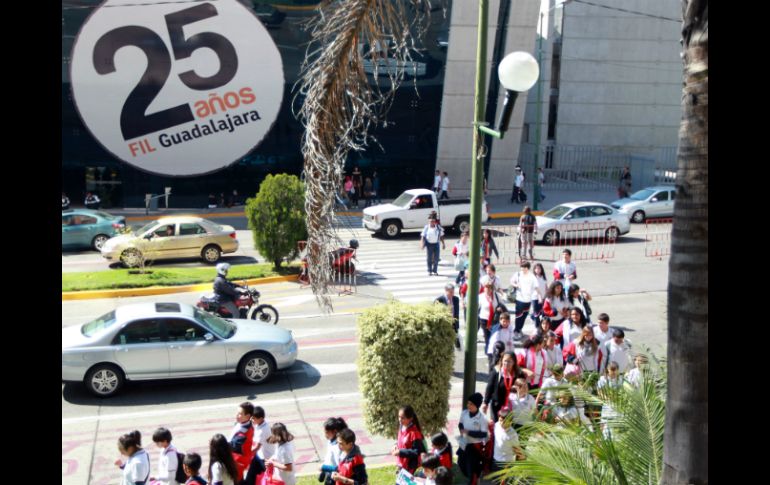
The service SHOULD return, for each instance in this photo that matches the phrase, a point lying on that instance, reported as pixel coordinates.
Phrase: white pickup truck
(411, 209)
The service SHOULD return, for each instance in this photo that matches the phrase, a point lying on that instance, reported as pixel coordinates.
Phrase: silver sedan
(650, 202)
(575, 220)
(148, 341)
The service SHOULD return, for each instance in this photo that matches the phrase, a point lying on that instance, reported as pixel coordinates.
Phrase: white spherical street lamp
(518, 72)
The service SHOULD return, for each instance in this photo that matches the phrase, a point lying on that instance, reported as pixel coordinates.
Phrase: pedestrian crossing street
(399, 266)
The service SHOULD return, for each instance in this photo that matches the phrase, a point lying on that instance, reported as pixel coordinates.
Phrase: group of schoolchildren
(531, 382)
(256, 453)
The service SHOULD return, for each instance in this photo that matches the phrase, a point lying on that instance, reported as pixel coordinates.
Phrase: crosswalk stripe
(438, 287)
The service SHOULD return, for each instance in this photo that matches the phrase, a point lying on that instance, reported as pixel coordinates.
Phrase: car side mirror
(208, 337)
(569, 216)
(148, 236)
(654, 199)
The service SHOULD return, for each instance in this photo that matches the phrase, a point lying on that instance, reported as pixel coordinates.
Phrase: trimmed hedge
(406, 356)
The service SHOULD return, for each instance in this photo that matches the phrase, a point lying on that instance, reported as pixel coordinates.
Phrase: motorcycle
(248, 306)
(341, 261)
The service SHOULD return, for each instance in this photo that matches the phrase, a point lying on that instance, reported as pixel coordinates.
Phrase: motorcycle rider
(225, 293)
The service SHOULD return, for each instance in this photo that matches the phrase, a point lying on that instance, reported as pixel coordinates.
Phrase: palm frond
(341, 106)
(626, 448)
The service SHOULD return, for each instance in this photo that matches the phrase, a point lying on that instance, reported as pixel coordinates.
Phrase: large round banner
(177, 88)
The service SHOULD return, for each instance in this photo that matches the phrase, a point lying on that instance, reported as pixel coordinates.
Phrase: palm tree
(686, 448)
(341, 104)
(626, 449)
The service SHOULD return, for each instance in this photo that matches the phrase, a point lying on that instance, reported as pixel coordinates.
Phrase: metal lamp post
(517, 72)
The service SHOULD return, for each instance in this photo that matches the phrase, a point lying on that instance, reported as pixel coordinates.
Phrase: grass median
(157, 276)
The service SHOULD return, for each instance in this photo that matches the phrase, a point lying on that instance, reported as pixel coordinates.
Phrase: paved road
(629, 287)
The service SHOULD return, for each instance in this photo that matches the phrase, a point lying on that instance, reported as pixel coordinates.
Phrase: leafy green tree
(277, 217)
(406, 357)
(626, 449)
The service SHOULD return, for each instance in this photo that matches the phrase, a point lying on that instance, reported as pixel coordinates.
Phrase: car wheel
(131, 258)
(265, 314)
(104, 380)
(256, 367)
(98, 241)
(211, 254)
(391, 229)
(611, 234)
(464, 226)
(638, 217)
(551, 237)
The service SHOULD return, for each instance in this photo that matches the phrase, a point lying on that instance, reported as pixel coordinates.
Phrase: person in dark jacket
(65, 201)
(92, 201)
(351, 469)
(410, 444)
(500, 383)
(225, 292)
(453, 303)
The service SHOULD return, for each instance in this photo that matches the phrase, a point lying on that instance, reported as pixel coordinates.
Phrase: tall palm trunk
(686, 437)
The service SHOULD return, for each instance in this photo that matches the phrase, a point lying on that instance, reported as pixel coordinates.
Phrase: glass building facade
(404, 155)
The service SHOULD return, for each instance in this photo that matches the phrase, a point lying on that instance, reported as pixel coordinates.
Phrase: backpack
(180, 475)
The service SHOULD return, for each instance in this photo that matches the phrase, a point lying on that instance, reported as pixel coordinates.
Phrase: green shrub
(405, 356)
(277, 217)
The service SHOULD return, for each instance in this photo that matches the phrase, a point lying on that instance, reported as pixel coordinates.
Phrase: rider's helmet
(354, 243)
(223, 268)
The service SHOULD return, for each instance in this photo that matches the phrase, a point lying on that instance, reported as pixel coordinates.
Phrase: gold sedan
(170, 238)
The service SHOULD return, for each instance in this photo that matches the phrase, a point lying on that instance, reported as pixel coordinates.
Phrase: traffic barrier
(506, 239)
(657, 240)
(586, 240)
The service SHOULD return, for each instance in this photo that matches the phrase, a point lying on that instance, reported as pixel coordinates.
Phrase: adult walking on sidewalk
(432, 235)
(453, 305)
(444, 186)
(527, 231)
(624, 189)
(437, 183)
(518, 185)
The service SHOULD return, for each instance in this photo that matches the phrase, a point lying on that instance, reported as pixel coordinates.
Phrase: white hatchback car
(650, 202)
(581, 219)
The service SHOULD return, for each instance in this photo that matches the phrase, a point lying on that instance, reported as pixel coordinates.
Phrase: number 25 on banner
(180, 88)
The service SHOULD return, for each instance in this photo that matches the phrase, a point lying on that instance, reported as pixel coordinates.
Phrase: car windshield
(95, 326)
(557, 212)
(218, 326)
(146, 227)
(643, 194)
(403, 200)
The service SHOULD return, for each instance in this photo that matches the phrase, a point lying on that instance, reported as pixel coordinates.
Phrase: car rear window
(95, 326)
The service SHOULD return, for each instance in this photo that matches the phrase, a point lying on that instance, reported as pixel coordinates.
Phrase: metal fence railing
(593, 168)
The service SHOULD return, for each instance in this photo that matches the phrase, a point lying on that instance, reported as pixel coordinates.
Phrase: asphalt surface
(629, 286)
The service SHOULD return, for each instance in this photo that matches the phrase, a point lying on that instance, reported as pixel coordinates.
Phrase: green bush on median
(405, 356)
(277, 217)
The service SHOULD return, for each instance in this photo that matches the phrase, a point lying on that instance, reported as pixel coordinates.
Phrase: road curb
(161, 290)
(205, 215)
(511, 215)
